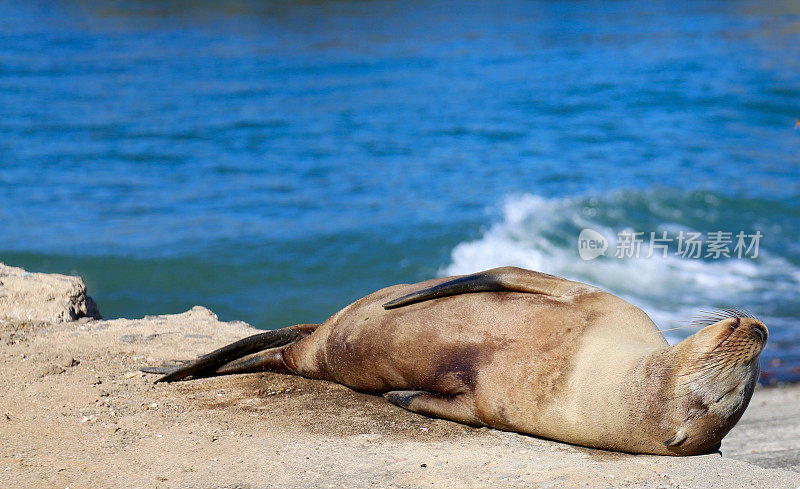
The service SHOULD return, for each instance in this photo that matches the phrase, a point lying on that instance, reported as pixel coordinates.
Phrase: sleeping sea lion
(523, 351)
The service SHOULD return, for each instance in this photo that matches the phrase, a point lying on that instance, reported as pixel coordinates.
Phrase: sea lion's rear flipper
(503, 279)
(458, 408)
(164, 369)
(230, 359)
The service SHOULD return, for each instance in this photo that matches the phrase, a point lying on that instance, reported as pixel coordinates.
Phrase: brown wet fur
(443, 345)
(489, 348)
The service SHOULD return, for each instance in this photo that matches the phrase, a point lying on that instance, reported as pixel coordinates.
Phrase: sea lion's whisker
(708, 365)
(707, 318)
(704, 379)
(698, 370)
(680, 327)
(700, 374)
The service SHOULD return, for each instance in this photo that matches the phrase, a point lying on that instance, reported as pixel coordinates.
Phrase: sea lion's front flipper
(676, 440)
(459, 408)
(503, 279)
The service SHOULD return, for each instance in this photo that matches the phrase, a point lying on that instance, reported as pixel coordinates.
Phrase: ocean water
(275, 161)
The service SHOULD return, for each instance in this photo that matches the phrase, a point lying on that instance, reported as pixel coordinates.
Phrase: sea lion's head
(717, 371)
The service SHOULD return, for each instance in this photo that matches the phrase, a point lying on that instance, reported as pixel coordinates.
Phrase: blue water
(277, 160)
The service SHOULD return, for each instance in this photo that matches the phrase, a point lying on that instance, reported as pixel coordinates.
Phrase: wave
(541, 233)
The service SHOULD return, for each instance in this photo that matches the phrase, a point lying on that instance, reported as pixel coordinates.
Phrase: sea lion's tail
(257, 353)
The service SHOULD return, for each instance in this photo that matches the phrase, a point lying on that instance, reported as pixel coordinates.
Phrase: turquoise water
(277, 160)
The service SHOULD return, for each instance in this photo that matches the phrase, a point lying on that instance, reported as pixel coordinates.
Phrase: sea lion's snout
(733, 339)
(727, 344)
(746, 339)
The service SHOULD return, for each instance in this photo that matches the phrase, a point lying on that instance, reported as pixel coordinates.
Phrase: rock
(43, 298)
(53, 370)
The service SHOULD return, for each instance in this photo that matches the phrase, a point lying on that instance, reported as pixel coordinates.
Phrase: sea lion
(523, 351)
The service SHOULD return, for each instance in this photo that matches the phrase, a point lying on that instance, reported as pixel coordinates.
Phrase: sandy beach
(76, 412)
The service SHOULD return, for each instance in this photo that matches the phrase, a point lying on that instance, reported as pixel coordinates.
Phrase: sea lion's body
(556, 359)
(505, 358)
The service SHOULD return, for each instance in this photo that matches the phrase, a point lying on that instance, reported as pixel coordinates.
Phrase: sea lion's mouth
(733, 328)
(727, 392)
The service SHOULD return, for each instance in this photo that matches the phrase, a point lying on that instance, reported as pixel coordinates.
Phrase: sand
(76, 412)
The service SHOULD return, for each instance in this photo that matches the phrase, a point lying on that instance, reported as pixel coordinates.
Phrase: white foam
(541, 234)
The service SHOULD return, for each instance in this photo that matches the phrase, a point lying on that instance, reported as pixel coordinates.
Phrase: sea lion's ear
(676, 440)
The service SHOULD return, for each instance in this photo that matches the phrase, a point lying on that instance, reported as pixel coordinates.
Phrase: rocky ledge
(76, 412)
